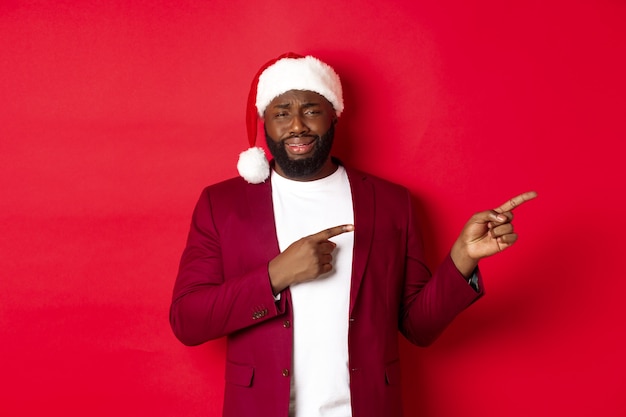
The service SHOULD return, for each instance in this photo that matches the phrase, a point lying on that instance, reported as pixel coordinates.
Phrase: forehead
(299, 96)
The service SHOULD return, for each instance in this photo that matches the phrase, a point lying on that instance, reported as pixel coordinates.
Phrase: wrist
(278, 281)
(462, 260)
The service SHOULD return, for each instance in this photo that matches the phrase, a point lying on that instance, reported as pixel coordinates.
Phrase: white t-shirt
(320, 384)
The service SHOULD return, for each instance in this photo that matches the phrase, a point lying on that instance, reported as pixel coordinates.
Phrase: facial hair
(305, 167)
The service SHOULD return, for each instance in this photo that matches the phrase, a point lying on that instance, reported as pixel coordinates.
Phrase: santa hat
(287, 72)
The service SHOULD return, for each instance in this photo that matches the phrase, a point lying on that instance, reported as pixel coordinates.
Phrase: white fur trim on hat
(253, 166)
(306, 73)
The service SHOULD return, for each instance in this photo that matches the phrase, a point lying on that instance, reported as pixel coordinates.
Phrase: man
(310, 267)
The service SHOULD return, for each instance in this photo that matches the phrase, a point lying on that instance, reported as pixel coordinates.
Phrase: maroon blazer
(223, 289)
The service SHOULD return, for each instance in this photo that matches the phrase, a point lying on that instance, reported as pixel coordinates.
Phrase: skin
(297, 117)
(487, 233)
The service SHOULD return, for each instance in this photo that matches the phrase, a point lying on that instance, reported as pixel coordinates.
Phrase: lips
(300, 147)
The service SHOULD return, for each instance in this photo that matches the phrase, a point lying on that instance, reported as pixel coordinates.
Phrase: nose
(298, 126)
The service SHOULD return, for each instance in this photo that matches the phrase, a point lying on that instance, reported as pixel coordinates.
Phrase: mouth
(302, 147)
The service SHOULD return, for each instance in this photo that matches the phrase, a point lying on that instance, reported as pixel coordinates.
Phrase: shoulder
(358, 177)
(235, 186)
(225, 185)
(231, 195)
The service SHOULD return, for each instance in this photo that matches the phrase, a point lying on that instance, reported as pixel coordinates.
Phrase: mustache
(302, 135)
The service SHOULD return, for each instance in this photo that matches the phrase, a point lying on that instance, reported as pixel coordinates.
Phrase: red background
(115, 114)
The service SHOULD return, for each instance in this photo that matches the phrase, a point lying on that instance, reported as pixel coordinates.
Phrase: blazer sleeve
(208, 304)
(431, 302)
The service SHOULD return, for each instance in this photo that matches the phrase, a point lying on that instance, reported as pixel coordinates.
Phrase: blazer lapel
(364, 207)
(259, 197)
(260, 211)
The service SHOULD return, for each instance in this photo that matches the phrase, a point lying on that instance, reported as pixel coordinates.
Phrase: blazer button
(285, 372)
(286, 324)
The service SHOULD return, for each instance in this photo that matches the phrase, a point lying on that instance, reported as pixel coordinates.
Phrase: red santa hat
(287, 72)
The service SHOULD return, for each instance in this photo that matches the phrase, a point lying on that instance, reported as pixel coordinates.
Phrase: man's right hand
(305, 259)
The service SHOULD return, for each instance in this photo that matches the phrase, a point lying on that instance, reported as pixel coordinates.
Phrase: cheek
(274, 130)
(324, 127)
(322, 124)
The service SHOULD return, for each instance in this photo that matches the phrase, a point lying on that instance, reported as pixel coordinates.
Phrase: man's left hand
(487, 233)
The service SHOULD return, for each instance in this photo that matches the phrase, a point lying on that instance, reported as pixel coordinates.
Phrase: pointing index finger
(516, 202)
(332, 232)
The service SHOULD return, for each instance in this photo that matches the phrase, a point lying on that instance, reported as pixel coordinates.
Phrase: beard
(305, 167)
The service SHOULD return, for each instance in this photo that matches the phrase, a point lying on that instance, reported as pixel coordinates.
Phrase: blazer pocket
(241, 375)
(392, 373)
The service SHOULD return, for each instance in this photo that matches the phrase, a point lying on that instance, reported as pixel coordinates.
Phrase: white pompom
(253, 165)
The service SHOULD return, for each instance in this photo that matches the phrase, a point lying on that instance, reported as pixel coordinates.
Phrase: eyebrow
(288, 105)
